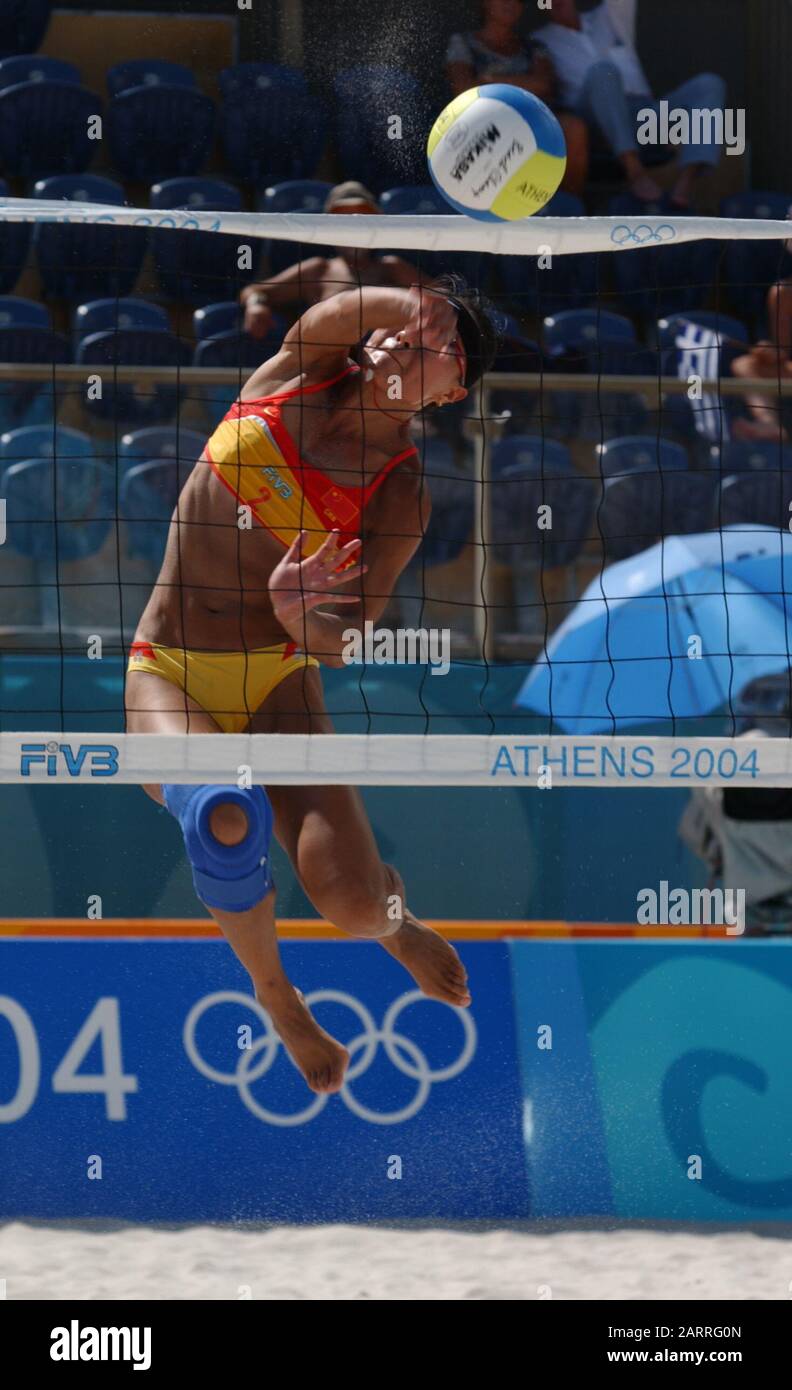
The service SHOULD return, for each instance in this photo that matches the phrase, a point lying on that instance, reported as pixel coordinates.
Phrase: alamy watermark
(686, 907)
(698, 126)
(401, 646)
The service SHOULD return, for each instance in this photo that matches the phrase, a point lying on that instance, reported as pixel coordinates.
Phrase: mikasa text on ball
(497, 152)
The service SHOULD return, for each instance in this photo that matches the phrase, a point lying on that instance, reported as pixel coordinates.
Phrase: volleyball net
(601, 595)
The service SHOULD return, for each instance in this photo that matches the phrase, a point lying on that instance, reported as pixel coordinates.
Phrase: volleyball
(497, 153)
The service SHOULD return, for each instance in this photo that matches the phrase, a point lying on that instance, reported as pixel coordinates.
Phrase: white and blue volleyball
(497, 152)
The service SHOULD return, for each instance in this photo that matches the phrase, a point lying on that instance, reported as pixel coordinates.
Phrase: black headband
(470, 333)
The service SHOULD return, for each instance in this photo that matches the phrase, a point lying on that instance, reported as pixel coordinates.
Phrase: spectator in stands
(317, 278)
(602, 78)
(498, 52)
(779, 309)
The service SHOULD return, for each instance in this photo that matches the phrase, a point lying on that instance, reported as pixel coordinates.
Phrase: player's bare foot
(431, 960)
(320, 1059)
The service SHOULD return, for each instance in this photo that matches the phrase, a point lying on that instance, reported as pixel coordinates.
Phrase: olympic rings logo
(255, 1061)
(642, 234)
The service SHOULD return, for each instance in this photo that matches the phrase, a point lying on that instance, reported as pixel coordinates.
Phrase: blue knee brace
(231, 877)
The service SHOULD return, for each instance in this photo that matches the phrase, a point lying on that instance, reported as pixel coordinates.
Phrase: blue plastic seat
(147, 496)
(44, 129)
(150, 404)
(518, 492)
(160, 132)
(272, 127)
(43, 442)
(755, 498)
(585, 329)
(570, 282)
(760, 455)
(100, 314)
(23, 24)
(642, 454)
(293, 195)
(147, 72)
(452, 495)
(236, 350)
(179, 447)
(604, 414)
(34, 67)
(659, 277)
(751, 267)
(14, 245)
(23, 313)
(88, 261)
(366, 96)
(200, 267)
(58, 510)
(544, 458)
(212, 319)
(30, 402)
(422, 200)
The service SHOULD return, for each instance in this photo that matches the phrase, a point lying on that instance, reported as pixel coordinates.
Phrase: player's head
(432, 376)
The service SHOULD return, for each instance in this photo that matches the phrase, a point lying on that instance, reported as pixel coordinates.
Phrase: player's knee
(228, 823)
(365, 907)
(227, 834)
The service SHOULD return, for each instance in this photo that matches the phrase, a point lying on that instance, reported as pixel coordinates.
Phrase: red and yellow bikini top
(255, 457)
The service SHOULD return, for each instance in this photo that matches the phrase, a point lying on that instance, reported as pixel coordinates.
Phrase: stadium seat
(14, 246)
(760, 455)
(422, 200)
(181, 448)
(44, 129)
(272, 127)
(236, 350)
(147, 72)
(570, 280)
(212, 319)
(34, 67)
(761, 499)
(155, 403)
(88, 261)
(452, 493)
(366, 97)
(30, 402)
(23, 313)
(293, 195)
(58, 510)
(518, 493)
(630, 513)
(663, 278)
(147, 496)
(542, 457)
(751, 267)
(724, 324)
(585, 329)
(160, 132)
(611, 414)
(23, 24)
(43, 442)
(100, 314)
(200, 267)
(640, 453)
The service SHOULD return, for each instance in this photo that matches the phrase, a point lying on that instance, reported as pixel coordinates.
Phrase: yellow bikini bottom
(230, 686)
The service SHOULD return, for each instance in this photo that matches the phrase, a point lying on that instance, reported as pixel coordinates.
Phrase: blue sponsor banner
(665, 1094)
(149, 1063)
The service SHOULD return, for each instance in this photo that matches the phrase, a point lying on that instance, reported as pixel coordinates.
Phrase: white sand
(353, 1262)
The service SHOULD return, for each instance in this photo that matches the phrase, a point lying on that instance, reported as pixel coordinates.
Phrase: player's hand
(298, 585)
(432, 321)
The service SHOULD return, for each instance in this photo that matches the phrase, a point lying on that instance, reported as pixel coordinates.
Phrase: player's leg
(328, 837)
(226, 833)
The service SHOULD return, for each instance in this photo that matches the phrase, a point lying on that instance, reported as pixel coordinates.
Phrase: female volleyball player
(307, 496)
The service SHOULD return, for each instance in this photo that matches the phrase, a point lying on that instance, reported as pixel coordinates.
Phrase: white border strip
(564, 235)
(394, 760)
